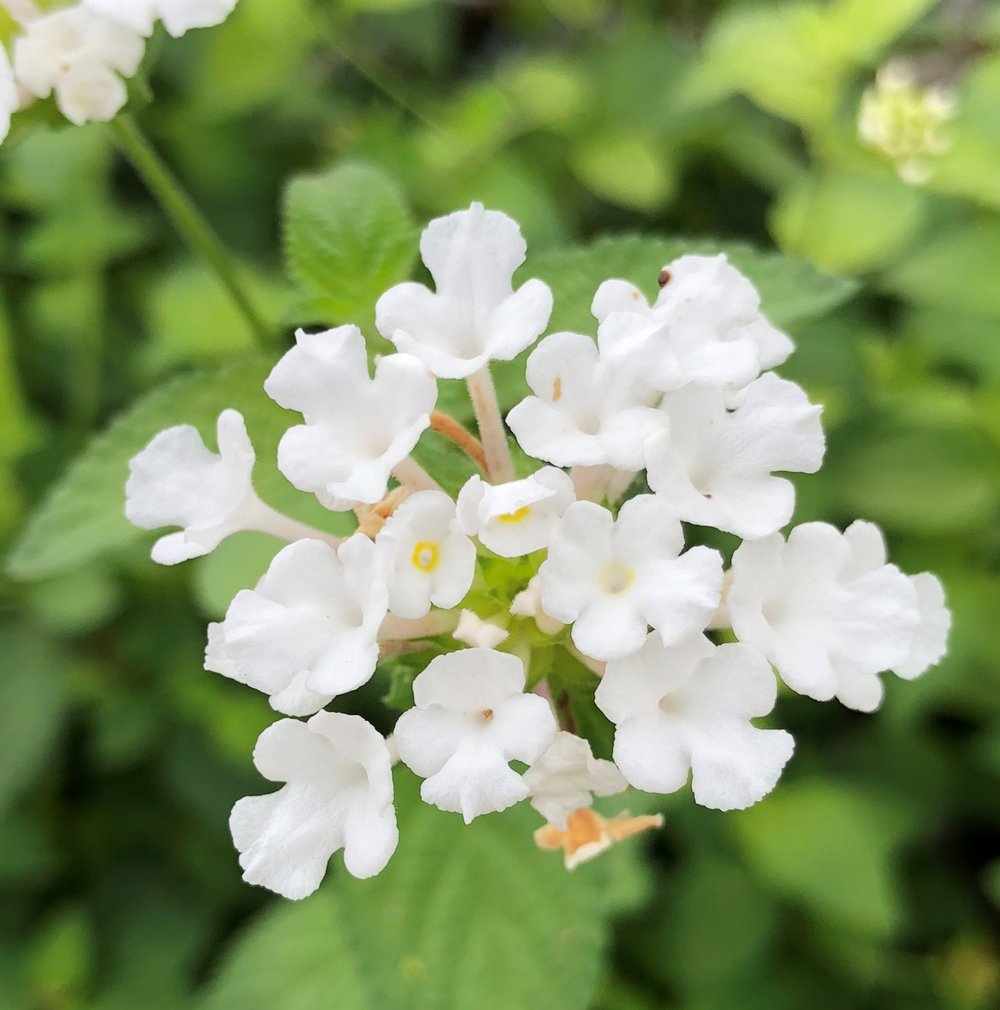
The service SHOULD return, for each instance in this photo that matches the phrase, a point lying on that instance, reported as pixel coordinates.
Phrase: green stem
(186, 218)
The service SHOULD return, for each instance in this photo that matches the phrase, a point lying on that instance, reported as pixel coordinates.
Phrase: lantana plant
(673, 415)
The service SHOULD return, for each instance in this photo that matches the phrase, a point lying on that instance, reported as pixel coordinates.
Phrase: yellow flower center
(515, 517)
(615, 578)
(426, 556)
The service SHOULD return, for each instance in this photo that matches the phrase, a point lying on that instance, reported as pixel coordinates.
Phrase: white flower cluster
(82, 53)
(518, 568)
(905, 122)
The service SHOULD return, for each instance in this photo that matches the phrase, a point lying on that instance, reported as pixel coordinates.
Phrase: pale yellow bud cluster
(906, 122)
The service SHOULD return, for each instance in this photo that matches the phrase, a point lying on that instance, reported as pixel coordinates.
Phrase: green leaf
(920, 480)
(627, 170)
(82, 516)
(716, 923)
(572, 684)
(463, 916)
(237, 563)
(953, 269)
(62, 959)
(187, 304)
(75, 601)
(795, 59)
(349, 235)
(828, 847)
(846, 222)
(33, 697)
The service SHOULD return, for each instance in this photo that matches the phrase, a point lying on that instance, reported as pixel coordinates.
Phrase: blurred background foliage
(870, 878)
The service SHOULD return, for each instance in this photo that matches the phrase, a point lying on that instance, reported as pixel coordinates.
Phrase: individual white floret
(79, 55)
(474, 316)
(688, 709)
(470, 720)
(585, 412)
(518, 517)
(930, 640)
(715, 467)
(178, 16)
(431, 561)
(567, 777)
(612, 579)
(337, 795)
(177, 481)
(824, 612)
(10, 98)
(705, 326)
(357, 428)
(473, 630)
(308, 631)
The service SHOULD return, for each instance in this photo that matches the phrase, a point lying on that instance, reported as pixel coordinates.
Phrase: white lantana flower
(337, 795)
(828, 618)
(474, 316)
(357, 429)
(688, 709)
(585, 412)
(471, 719)
(705, 326)
(432, 562)
(567, 776)
(715, 467)
(518, 517)
(308, 632)
(613, 579)
(930, 641)
(10, 98)
(79, 55)
(178, 16)
(177, 481)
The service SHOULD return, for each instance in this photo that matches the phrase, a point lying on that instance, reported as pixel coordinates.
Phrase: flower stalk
(496, 450)
(178, 206)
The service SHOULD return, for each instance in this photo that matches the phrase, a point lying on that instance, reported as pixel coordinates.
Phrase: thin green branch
(186, 218)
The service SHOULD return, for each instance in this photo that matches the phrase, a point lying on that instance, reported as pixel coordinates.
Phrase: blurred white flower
(357, 428)
(688, 709)
(337, 795)
(178, 16)
(613, 578)
(474, 316)
(470, 720)
(81, 56)
(10, 97)
(906, 122)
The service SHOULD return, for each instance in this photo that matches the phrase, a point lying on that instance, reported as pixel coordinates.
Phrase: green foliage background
(870, 878)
